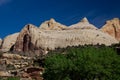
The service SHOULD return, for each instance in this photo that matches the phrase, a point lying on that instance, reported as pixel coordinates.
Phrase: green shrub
(13, 78)
(83, 63)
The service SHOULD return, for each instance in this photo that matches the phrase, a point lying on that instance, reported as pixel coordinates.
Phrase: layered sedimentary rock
(112, 27)
(83, 24)
(8, 42)
(34, 39)
(52, 25)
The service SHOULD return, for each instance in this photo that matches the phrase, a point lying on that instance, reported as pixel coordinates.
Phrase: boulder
(112, 27)
(11, 56)
(4, 74)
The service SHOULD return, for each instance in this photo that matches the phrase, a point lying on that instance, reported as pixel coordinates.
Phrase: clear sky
(14, 14)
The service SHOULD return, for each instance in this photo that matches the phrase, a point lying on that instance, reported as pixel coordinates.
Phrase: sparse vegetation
(10, 67)
(10, 78)
(13, 78)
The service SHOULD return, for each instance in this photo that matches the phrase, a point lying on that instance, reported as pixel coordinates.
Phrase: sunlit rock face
(32, 38)
(52, 25)
(8, 42)
(83, 24)
(112, 27)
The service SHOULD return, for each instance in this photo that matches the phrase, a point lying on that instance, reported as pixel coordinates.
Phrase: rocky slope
(14, 65)
(112, 27)
(52, 25)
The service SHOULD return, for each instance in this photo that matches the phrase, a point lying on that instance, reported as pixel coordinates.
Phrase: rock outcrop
(52, 25)
(8, 42)
(28, 40)
(34, 39)
(83, 24)
(112, 27)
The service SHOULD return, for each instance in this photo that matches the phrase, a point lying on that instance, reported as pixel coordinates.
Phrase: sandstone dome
(112, 27)
(8, 42)
(32, 38)
(52, 25)
(83, 24)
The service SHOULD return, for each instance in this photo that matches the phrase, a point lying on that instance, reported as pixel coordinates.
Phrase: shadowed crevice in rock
(26, 43)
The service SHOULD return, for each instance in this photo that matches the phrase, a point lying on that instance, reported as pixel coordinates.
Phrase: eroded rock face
(83, 24)
(112, 27)
(34, 39)
(27, 40)
(52, 25)
(8, 42)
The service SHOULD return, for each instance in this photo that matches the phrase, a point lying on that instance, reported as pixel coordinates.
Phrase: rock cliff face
(8, 42)
(27, 39)
(112, 27)
(34, 39)
(83, 24)
(52, 25)
(51, 35)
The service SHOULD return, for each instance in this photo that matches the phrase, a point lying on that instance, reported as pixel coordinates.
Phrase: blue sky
(14, 14)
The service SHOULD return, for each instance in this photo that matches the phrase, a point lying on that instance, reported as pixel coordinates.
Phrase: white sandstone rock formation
(112, 27)
(8, 42)
(32, 38)
(83, 24)
(52, 25)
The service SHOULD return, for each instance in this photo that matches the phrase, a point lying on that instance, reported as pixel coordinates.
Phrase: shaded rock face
(0, 42)
(8, 42)
(112, 27)
(36, 40)
(83, 24)
(52, 25)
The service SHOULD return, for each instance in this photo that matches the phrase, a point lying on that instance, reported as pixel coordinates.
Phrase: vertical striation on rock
(25, 38)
